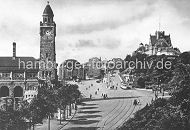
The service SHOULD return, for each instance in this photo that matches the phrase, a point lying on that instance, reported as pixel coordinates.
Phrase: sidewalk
(166, 94)
(55, 124)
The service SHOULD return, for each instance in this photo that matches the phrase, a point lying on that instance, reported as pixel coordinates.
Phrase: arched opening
(4, 91)
(18, 91)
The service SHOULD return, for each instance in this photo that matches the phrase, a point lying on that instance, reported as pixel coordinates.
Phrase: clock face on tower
(48, 34)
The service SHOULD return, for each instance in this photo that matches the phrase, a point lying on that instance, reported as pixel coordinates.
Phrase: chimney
(14, 50)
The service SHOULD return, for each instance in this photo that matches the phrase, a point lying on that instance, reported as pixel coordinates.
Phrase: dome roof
(48, 10)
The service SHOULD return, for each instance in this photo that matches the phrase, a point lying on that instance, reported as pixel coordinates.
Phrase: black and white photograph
(94, 65)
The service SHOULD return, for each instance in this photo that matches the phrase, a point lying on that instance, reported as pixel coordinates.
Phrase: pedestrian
(98, 89)
(102, 95)
(139, 102)
(90, 96)
(106, 96)
(135, 102)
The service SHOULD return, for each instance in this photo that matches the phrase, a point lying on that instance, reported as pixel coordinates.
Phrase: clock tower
(48, 66)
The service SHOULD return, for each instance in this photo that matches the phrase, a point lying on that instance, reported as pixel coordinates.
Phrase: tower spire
(47, 46)
(159, 24)
(48, 14)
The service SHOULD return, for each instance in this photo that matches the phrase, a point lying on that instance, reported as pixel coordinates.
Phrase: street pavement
(54, 123)
(106, 114)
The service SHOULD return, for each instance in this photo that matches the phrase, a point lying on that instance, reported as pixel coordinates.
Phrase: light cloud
(88, 28)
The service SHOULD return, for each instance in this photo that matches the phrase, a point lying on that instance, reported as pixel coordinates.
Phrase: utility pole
(49, 122)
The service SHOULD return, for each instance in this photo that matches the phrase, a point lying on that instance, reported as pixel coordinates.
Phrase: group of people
(104, 96)
(135, 102)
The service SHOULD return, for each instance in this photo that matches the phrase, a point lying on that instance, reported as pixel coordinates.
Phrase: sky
(93, 28)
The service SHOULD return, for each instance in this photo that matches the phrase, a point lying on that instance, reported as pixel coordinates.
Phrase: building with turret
(159, 44)
(48, 66)
(20, 76)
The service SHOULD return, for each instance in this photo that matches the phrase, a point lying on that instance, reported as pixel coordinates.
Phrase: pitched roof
(19, 63)
(153, 39)
(48, 11)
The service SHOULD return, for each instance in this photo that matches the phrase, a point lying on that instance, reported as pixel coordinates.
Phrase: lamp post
(156, 89)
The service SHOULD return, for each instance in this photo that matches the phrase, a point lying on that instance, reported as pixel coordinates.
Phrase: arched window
(50, 74)
(18, 91)
(45, 20)
(4, 91)
(42, 74)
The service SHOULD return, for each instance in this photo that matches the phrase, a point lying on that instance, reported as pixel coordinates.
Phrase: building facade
(19, 76)
(159, 44)
(18, 79)
(71, 70)
(94, 67)
(48, 66)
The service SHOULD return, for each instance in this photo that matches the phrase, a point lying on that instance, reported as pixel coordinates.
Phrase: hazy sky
(88, 28)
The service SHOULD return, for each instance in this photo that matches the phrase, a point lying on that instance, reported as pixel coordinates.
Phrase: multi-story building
(18, 79)
(71, 70)
(159, 44)
(19, 76)
(94, 67)
(48, 66)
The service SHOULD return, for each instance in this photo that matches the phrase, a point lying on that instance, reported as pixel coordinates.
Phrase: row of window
(30, 96)
(31, 88)
(47, 19)
(31, 76)
(18, 75)
(46, 74)
(5, 75)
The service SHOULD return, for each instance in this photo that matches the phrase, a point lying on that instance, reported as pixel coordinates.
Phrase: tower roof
(48, 10)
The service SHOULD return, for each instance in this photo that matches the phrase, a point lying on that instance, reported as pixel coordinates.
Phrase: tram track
(123, 117)
(114, 124)
(107, 115)
(113, 116)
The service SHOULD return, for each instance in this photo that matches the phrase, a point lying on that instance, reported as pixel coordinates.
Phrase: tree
(173, 113)
(141, 82)
(73, 94)
(67, 95)
(62, 100)
(185, 58)
(43, 106)
(12, 119)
